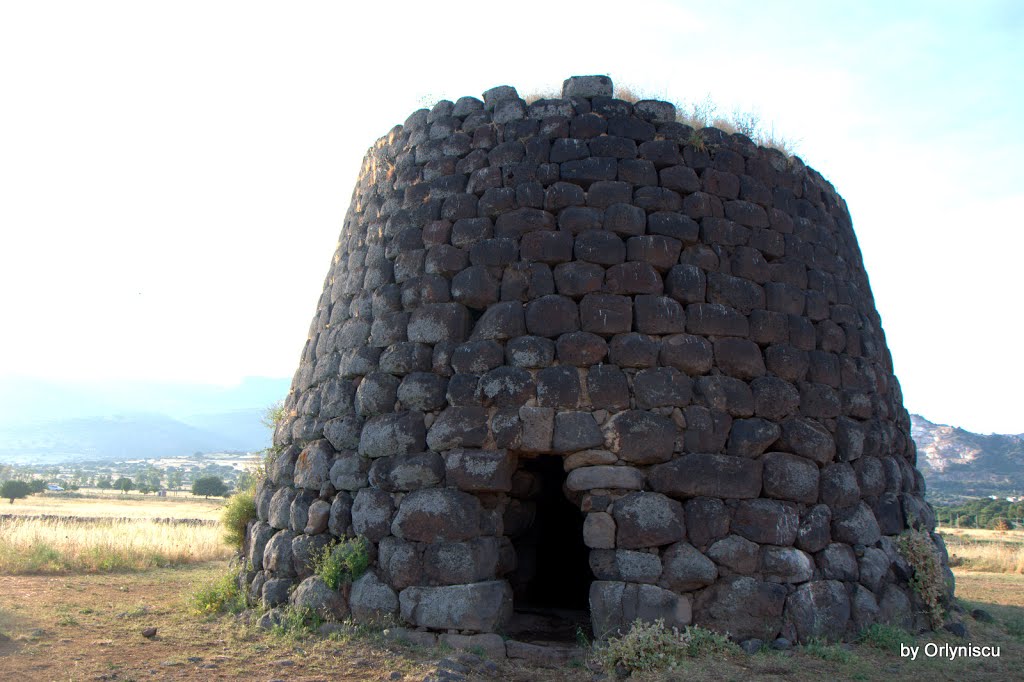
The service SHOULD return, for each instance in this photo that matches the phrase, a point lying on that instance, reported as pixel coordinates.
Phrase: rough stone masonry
(681, 317)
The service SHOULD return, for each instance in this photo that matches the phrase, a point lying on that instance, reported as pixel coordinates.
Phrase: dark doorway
(552, 581)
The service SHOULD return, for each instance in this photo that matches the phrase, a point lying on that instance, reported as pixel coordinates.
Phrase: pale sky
(174, 176)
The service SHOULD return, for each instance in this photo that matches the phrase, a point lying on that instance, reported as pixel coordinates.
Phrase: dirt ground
(89, 627)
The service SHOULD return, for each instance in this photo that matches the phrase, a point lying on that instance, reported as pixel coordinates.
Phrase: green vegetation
(981, 513)
(342, 562)
(928, 580)
(834, 653)
(238, 512)
(219, 595)
(885, 637)
(124, 484)
(14, 490)
(209, 485)
(653, 646)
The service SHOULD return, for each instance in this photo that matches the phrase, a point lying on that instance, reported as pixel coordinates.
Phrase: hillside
(957, 462)
(49, 422)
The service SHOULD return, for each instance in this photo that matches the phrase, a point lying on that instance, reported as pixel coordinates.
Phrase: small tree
(15, 490)
(103, 483)
(123, 484)
(174, 480)
(209, 485)
(37, 485)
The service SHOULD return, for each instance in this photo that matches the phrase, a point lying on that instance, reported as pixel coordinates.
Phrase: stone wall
(683, 316)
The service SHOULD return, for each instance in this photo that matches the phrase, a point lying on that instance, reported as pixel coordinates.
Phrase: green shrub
(653, 646)
(238, 512)
(928, 580)
(827, 652)
(342, 562)
(884, 637)
(222, 594)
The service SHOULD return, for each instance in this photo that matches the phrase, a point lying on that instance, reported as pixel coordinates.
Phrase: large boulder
(479, 607)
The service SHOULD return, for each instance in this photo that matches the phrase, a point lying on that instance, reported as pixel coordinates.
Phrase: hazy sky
(173, 176)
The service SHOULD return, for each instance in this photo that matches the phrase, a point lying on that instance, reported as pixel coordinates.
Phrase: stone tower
(575, 356)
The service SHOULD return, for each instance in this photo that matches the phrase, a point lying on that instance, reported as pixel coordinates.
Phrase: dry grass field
(995, 551)
(113, 504)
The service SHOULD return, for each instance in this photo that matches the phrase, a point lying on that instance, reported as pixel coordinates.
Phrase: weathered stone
(815, 529)
(454, 563)
(315, 596)
(479, 470)
(737, 554)
(818, 610)
(614, 606)
(786, 565)
(739, 358)
(372, 510)
(551, 316)
(608, 388)
(872, 568)
(407, 472)
(313, 465)
(788, 477)
(481, 607)
(280, 515)
(647, 520)
(838, 562)
(458, 427)
(439, 322)
(393, 434)
(538, 426)
(839, 486)
(530, 351)
(660, 387)
(371, 600)
(317, 517)
(349, 471)
(685, 568)
(581, 349)
(751, 437)
(575, 431)
(258, 537)
(608, 477)
(599, 530)
(298, 514)
(807, 438)
(637, 567)
(708, 520)
(640, 437)
(277, 556)
(436, 515)
(766, 522)
(743, 607)
(697, 474)
(855, 525)
(340, 517)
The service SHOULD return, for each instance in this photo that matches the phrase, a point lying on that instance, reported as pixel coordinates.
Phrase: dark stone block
(516, 223)
(500, 321)
(562, 195)
(581, 349)
(604, 194)
(633, 278)
(726, 393)
(658, 315)
(608, 388)
(506, 387)
(661, 252)
(657, 199)
(558, 387)
(689, 354)
(739, 358)
(697, 474)
(736, 292)
(569, 149)
(613, 146)
(641, 437)
(578, 278)
(637, 172)
(439, 322)
(475, 288)
(625, 219)
(715, 319)
(661, 153)
(601, 247)
(458, 427)
(494, 252)
(477, 357)
(530, 352)
(576, 219)
(552, 316)
(633, 514)
(586, 171)
(675, 225)
(633, 350)
(660, 387)
(679, 179)
(766, 521)
(587, 126)
(575, 431)
(606, 313)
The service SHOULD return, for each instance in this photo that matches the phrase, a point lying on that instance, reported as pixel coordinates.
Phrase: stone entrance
(551, 583)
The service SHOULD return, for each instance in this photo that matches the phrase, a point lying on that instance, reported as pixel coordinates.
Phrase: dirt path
(90, 628)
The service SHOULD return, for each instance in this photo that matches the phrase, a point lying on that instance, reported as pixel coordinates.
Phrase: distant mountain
(55, 421)
(957, 462)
